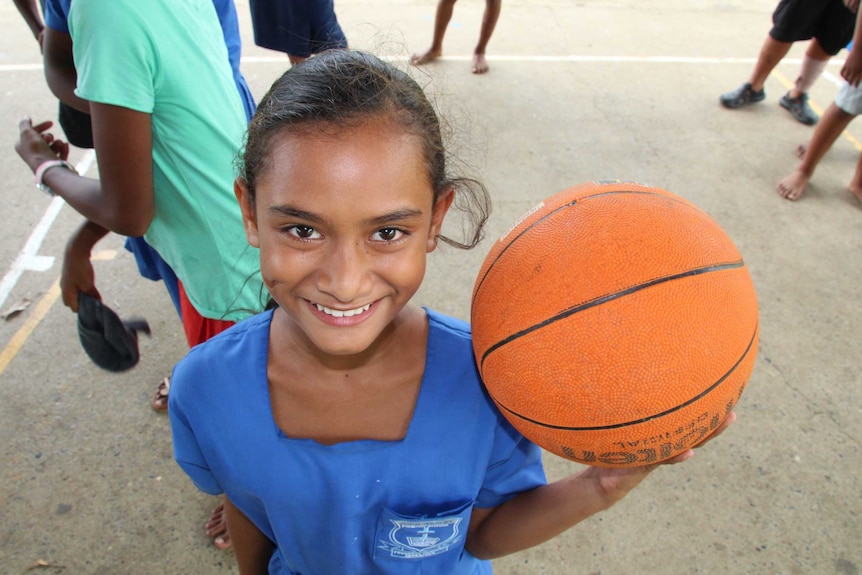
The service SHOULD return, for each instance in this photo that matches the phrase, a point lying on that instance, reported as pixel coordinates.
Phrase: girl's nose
(346, 273)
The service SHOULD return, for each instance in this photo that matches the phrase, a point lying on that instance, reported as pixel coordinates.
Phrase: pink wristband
(47, 165)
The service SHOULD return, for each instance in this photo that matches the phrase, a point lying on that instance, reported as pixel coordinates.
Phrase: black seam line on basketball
(521, 233)
(606, 298)
(645, 419)
(564, 206)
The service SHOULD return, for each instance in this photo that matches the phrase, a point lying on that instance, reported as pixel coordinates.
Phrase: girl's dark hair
(344, 88)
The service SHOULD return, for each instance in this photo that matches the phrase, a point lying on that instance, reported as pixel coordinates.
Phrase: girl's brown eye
(387, 234)
(303, 232)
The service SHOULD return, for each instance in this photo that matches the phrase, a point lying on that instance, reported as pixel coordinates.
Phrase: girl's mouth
(342, 312)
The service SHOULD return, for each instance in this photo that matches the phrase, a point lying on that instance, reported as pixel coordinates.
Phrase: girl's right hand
(36, 144)
(615, 482)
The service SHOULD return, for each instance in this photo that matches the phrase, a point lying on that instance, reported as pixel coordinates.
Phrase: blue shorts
(296, 27)
(830, 21)
(153, 267)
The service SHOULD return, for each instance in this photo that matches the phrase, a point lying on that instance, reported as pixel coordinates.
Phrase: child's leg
(856, 183)
(489, 21)
(834, 121)
(441, 22)
(752, 91)
(796, 100)
(849, 100)
(771, 53)
(813, 64)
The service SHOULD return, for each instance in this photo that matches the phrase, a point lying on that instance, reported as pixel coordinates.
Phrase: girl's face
(344, 221)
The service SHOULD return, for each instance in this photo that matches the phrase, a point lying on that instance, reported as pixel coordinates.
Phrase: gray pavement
(577, 91)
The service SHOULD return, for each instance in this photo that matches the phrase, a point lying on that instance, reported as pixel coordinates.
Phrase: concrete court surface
(578, 90)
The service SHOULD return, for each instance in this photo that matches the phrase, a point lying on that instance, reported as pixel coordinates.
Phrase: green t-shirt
(167, 58)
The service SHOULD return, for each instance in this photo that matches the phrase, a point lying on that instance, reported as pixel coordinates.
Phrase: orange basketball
(615, 324)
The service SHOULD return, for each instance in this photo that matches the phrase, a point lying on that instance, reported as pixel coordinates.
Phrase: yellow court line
(856, 143)
(20, 337)
(103, 255)
(39, 312)
(847, 135)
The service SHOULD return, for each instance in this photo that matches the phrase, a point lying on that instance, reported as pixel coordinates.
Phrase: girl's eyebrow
(397, 215)
(394, 216)
(292, 212)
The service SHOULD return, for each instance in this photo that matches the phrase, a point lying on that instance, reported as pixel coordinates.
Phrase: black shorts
(830, 21)
(296, 27)
(76, 125)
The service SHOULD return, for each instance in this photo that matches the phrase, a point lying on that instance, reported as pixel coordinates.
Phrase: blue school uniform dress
(363, 506)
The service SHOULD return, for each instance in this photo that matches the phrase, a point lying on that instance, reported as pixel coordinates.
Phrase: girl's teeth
(342, 313)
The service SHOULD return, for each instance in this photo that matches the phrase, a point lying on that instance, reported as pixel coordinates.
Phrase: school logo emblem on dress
(421, 538)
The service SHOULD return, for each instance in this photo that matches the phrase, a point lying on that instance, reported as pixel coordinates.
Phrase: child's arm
(251, 547)
(59, 65)
(540, 514)
(122, 199)
(30, 12)
(78, 274)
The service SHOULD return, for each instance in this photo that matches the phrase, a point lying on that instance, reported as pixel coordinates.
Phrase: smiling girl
(348, 427)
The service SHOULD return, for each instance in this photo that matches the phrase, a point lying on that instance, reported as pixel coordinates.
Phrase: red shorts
(197, 327)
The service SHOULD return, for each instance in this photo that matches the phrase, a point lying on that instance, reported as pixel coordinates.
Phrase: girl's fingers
(27, 124)
(60, 148)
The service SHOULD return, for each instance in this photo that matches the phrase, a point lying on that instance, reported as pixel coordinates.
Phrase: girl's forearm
(536, 516)
(86, 196)
(85, 238)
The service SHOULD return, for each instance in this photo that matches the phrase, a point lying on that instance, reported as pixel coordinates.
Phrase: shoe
(741, 96)
(799, 108)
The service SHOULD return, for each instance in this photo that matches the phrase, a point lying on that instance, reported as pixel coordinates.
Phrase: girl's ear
(249, 221)
(438, 212)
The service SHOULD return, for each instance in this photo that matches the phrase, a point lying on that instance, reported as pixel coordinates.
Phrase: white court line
(20, 67)
(837, 80)
(513, 58)
(28, 258)
(568, 58)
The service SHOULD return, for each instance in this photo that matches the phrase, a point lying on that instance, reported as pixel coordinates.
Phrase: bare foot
(793, 186)
(800, 151)
(216, 528)
(856, 190)
(480, 65)
(429, 56)
(160, 398)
